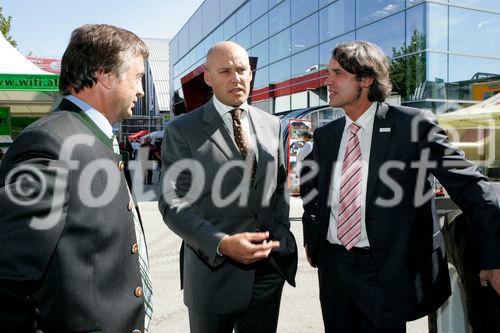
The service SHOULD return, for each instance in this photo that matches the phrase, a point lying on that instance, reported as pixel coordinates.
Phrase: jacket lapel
(260, 133)
(331, 152)
(382, 132)
(216, 131)
(67, 105)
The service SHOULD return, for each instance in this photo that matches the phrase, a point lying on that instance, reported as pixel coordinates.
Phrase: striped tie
(147, 289)
(243, 143)
(349, 214)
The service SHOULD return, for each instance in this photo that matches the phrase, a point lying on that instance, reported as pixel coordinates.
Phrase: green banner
(4, 121)
(42, 82)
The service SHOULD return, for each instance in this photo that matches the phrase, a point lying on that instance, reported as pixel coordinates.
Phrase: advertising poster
(295, 129)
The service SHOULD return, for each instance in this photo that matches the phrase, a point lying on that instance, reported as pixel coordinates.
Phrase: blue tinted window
(208, 42)
(474, 32)
(218, 34)
(230, 27)
(173, 47)
(464, 73)
(210, 9)
(258, 7)
(183, 41)
(243, 17)
(262, 52)
(279, 71)
(200, 51)
(260, 30)
(195, 28)
(323, 3)
(464, 68)
(305, 63)
(273, 3)
(305, 33)
(369, 10)
(336, 19)
(437, 36)
(388, 33)
(302, 8)
(243, 38)
(325, 49)
(437, 75)
(483, 4)
(412, 2)
(280, 46)
(261, 78)
(415, 30)
(228, 7)
(279, 17)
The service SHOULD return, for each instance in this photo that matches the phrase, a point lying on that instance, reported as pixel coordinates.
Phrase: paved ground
(300, 309)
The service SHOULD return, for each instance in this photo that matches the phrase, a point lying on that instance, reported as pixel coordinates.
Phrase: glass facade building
(444, 54)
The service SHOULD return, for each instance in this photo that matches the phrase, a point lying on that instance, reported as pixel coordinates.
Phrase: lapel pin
(384, 129)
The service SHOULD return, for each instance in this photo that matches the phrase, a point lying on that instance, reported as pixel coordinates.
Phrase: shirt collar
(366, 119)
(222, 109)
(97, 117)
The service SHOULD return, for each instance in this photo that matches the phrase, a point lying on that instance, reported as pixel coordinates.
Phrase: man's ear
(366, 82)
(207, 78)
(105, 79)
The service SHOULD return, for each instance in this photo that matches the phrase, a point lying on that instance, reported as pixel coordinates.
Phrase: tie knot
(236, 114)
(355, 128)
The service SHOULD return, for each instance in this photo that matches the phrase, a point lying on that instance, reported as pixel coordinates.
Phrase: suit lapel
(260, 133)
(382, 132)
(216, 131)
(331, 151)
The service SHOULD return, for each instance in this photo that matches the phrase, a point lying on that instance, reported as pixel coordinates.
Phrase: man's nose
(235, 77)
(140, 91)
(327, 81)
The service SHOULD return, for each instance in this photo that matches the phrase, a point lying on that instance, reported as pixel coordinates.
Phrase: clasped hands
(247, 247)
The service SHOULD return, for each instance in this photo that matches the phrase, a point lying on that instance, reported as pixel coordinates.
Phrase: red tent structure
(138, 134)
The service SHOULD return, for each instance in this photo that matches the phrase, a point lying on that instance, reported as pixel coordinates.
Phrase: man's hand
(247, 247)
(491, 276)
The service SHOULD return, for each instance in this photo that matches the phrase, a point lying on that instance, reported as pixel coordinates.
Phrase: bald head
(227, 71)
(223, 48)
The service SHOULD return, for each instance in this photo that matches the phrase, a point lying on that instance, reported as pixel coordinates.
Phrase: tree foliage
(5, 28)
(407, 67)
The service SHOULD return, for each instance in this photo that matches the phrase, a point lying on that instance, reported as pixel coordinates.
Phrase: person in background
(304, 151)
(74, 260)
(145, 156)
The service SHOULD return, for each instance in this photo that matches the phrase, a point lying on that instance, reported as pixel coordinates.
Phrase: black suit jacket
(404, 234)
(73, 270)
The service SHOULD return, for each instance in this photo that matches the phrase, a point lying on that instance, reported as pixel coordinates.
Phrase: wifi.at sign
(4, 121)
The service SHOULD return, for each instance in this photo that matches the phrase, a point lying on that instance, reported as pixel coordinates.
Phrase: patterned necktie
(243, 143)
(349, 213)
(147, 289)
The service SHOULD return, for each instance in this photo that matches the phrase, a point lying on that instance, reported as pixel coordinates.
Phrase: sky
(43, 27)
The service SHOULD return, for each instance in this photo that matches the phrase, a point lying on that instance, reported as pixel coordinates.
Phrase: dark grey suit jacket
(405, 236)
(74, 265)
(212, 283)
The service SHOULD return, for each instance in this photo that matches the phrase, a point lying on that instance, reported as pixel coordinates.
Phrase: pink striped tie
(349, 213)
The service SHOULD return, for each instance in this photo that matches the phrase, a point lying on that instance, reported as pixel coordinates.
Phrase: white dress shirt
(224, 111)
(96, 116)
(365, 139)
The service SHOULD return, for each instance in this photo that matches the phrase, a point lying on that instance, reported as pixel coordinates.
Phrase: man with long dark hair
(370, 230)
